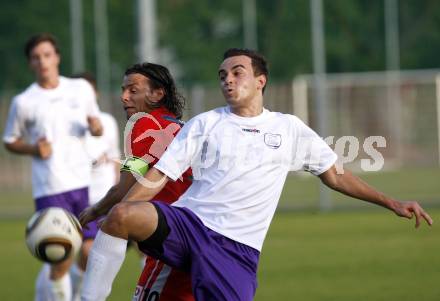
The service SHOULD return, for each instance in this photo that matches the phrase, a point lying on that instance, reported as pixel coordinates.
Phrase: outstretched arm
(350, 185)
(113, 196)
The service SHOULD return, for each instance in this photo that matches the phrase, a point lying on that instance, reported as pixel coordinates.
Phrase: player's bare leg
(84, 253)
(53, 283)
(78, 269)
(127, 220)
(58, 270)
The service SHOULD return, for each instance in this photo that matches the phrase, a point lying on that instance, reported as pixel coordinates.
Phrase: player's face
(137, 94)
(44, 61)
(238, 83)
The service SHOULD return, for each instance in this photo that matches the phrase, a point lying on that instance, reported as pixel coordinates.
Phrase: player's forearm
(139, 193)
(95, 126)
(116, 193)
(112, 197)
(352, 186)
(22, 148)
(147, 187)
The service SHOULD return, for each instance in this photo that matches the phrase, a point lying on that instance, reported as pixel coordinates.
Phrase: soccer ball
(53, 234)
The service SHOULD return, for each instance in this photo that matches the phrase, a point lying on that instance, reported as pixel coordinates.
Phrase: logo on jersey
(162, 138)
(255, 131)
(55, 99)
(272, 140)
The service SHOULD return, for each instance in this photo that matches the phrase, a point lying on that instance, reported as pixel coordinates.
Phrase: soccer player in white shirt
(49, 122)
(240, 156)
(104, 153)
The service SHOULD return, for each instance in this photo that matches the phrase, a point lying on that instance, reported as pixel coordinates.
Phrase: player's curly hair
(160, 77)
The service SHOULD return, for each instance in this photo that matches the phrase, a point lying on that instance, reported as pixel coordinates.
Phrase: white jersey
(59, 115)
(239, 166)
(104, 152)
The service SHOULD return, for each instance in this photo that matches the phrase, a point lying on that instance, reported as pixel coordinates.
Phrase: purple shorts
(74, 201)
(221, 268)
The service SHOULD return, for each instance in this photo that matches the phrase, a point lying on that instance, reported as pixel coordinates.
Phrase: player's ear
(261, 81)
(58, 58)
(157, 95)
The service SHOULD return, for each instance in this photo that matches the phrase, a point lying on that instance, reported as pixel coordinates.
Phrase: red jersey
(149, 139)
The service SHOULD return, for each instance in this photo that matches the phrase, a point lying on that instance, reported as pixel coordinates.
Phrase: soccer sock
(60, 289)
(77, 276)
(143, 258)
(105, 260)
(42, 283)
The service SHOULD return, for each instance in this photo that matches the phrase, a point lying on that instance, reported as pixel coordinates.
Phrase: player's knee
(118, 216)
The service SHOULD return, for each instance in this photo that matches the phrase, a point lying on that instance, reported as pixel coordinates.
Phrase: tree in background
(194, 33)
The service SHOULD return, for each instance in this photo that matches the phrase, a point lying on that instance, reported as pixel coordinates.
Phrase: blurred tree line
(194, 33)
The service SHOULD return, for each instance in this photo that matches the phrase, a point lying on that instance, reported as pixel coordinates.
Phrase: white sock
(105, 260)
(42, 283)
(76, 275)
(143, 258)
(60, 289)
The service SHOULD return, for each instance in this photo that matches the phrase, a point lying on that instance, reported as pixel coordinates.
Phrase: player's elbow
(331, 183)
(331, 179)
(9, 147)
(97, 131)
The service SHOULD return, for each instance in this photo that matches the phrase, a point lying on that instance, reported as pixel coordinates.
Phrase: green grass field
(342, 255)
(369, 256)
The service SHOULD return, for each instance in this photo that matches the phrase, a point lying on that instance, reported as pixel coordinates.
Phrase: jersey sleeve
(309, 151)
(92, 108)
(182, 151)
(114, 151)
(14, 128)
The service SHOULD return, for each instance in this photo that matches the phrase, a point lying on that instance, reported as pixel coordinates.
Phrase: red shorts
(160, 282)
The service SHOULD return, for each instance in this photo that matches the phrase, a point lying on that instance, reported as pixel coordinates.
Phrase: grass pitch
(369, 255)
(362, 255)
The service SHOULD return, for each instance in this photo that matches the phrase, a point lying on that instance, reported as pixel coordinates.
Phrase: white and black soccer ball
(53, 234)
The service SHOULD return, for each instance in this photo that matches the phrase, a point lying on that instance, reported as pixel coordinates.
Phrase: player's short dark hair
(33, 41)
(88, 76)
(259, 62)
(160, 77)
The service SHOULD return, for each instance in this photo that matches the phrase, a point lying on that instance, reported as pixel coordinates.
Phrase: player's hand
(44, 148)
(88, 215)
(95, 125)
(410, 209)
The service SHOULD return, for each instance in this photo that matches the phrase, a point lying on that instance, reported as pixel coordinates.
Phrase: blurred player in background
(104, 153)
(49, 121)
(154, 107)
(240, 156)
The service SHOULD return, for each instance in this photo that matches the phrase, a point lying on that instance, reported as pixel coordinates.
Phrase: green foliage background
(194, 33)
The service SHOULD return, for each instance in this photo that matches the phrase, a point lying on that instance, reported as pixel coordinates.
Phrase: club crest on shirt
(73, 104)
(272, 140)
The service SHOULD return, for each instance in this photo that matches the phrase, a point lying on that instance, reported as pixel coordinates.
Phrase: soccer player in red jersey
(153, 107)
